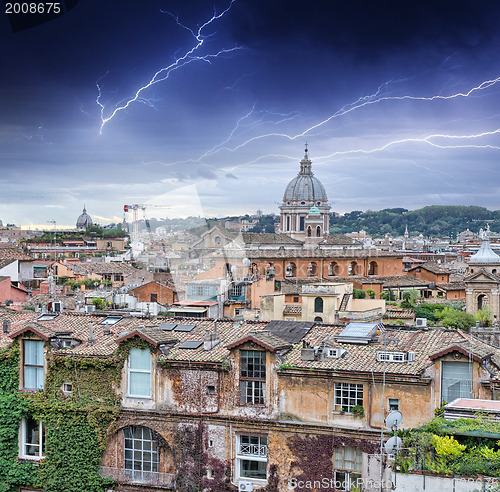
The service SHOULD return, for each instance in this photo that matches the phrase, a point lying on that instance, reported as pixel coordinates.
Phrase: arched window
(333, 269)
(312, 269)
(373, 268)
(141, 453)
(309, 231)
(318, 319)
(482, 301)
(353, 268)
(318, 231)
(288, 223)
(291, 270)
(318, 305)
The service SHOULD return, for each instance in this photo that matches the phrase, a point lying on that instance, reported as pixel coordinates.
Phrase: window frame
(252, 378)
(140, 475)
(260, 457)
(36, 366)
(349, 468)
(342, 401)
(23, 441)
(131, 371)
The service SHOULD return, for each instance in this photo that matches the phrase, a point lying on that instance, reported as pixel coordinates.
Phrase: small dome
(485, 254)
(314, 211)
(84, 220)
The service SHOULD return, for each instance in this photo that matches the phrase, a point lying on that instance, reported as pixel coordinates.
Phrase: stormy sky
(149, 101)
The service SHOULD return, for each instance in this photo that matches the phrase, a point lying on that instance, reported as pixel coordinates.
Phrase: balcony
(156, 479)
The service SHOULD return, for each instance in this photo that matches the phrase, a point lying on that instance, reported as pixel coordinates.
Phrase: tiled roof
(432, 267)
(358, 358)
(263, 338)
(452, 286)
(9, 252)
(86, 268)
(340, 239)
(269, 238)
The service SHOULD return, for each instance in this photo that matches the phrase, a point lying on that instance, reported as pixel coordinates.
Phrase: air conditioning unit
(245, 486)
(421, 321)
(89, 308)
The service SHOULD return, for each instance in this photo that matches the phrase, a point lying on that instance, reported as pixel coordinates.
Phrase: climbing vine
(76, 425)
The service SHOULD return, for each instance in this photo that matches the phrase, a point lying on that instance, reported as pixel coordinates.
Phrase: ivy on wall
(314, 454)
(76, 426)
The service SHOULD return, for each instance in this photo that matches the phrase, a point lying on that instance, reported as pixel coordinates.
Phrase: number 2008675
(32, 8)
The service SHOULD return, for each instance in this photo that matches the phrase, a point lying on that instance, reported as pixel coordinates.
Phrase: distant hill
(435, 220)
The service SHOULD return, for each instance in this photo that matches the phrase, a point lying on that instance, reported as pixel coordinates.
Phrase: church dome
(305, 187)
(84, 220)
(314, 211)
(485, 254)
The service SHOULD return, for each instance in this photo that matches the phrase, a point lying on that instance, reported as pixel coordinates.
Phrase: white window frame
(351, 393)
(40, 384)
(384, 356)
(23, 442)
(250, 452)
(131, 371)
(140, 454)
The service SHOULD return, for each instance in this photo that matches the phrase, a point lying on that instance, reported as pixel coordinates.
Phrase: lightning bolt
(364, 101)
(163, 74)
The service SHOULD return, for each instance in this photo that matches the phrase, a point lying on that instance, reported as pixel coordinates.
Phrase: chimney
(106, 330)
(92, 338)
(6, 326)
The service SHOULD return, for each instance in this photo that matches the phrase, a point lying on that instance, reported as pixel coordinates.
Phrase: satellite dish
(246, 262)
(50, 278)
(394, 419)
(233, 269)
(393, 444)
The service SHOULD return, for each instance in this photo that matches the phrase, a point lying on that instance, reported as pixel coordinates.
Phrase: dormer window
(33, 364)
(253, 377)
(139, 373)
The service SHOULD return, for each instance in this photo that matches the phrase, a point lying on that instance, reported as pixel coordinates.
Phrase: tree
(484, 316)
(98, 303)
(371, 293)
(358, 294)
(452, 318)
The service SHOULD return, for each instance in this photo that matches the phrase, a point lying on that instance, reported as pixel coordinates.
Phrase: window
(236, 291)
(67, 388)
(139, 372)
(251, 457)
(211, 390)
(347, 396)
(456, 381)
(302, 223)
(296, 299)
(154, 298)
(66, 343)
(393, 404)
(253, 377)
(33, 364)
(348, 464)
(141, 454)
(32, 439)
(318, 305)
(391, 356)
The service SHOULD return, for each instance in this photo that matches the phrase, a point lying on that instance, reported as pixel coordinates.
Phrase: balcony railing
(253, 450)
(121, 475)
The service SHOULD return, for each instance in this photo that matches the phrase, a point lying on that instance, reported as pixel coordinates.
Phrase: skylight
(110, 320)
(47, 317)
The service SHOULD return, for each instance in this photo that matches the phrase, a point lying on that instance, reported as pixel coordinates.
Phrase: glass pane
(253, 469)
(33, 352)
(140, 359)
(140, 384)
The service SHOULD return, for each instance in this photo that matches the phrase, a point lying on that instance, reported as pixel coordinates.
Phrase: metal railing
(122, 475)
(253, 450)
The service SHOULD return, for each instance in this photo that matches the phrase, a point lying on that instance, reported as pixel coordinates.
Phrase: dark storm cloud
(237, 125)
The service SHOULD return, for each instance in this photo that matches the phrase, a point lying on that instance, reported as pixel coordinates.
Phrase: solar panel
(47, 317)
(110, 320)
(358, 332)
(184, 327)
(191, 344)
(167, 326)
(290, 331)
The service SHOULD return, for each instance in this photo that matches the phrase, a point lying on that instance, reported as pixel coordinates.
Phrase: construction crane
(135, 208)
